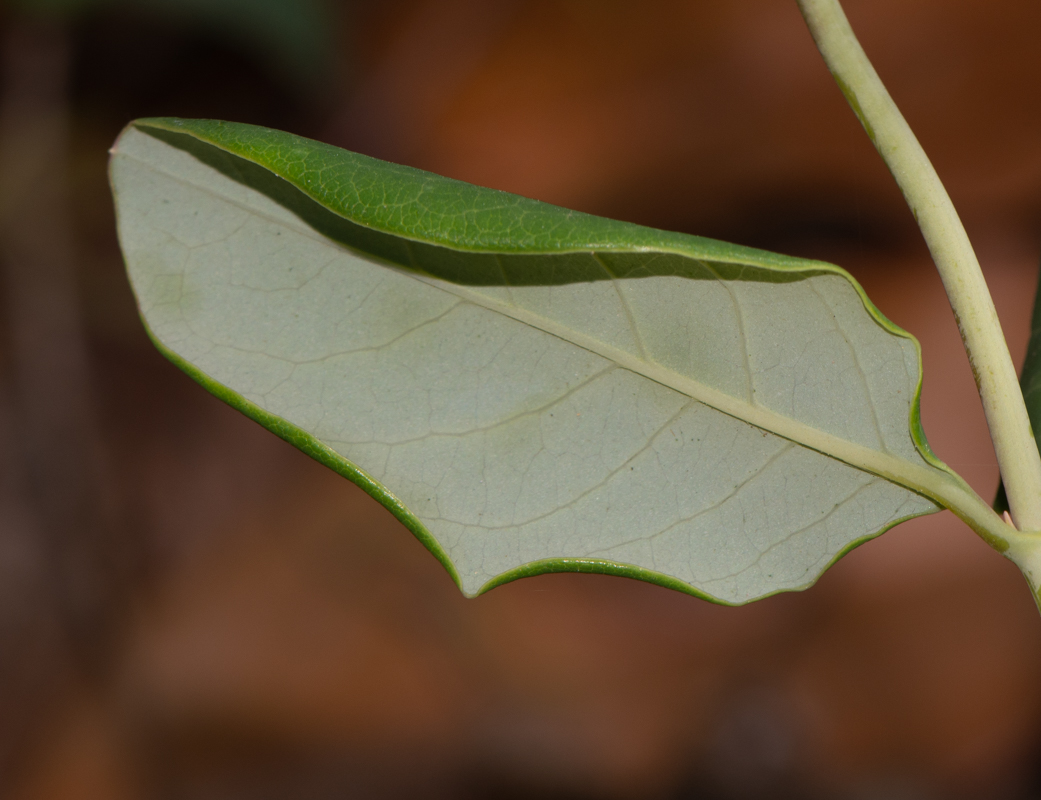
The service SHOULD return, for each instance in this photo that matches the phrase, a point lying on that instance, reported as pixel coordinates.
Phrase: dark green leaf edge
(254, 145)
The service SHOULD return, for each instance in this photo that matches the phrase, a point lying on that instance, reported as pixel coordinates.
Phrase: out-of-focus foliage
(296, 34)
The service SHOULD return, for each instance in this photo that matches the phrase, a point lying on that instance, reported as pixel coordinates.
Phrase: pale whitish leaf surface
(689, 413)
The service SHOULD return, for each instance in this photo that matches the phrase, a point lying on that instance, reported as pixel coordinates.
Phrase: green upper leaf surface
(528, 388)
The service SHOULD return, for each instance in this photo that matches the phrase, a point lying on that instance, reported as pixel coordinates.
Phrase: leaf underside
(529, 389)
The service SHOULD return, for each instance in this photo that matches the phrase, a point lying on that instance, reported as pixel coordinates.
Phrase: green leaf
(1030, 383)
(530, 389)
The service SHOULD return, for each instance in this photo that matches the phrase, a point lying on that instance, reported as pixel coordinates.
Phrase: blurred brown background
(189, 608)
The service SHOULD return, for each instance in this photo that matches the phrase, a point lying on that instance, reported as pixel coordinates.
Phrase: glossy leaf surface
(527, 388)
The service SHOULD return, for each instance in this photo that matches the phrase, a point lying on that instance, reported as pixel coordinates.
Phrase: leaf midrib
(916, 477)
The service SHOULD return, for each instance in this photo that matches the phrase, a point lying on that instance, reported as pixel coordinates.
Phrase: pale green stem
(960, 271)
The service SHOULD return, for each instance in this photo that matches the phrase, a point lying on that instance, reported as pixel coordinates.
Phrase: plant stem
(948, 243)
